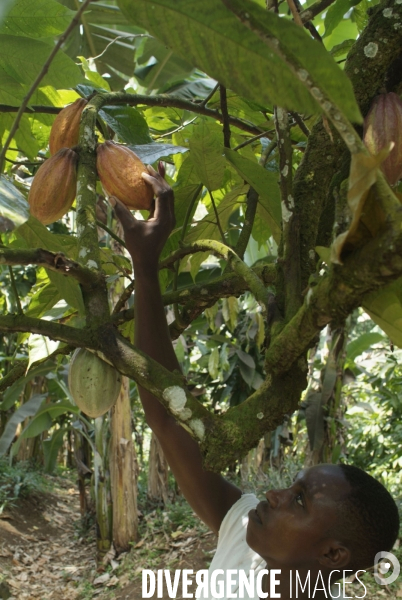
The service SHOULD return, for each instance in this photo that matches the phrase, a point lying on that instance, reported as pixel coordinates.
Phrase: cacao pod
(54, 186)
(119, 170)
(66, 127)
(94, 384)
(382, 125)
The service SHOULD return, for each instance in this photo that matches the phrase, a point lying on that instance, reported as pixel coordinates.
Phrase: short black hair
(368, 517)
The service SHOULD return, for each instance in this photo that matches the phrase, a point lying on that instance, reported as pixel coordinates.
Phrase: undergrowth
(19, 481)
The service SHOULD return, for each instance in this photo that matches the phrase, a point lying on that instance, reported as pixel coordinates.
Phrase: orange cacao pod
(382, 125)
(119, 170)
(54, 186)
(66, 126)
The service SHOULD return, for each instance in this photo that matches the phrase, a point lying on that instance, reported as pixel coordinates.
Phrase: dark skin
(290, 529)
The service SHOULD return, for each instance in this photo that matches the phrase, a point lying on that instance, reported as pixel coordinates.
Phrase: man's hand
(145, 239)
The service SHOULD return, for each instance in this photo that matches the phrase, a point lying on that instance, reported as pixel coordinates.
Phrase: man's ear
(335, 555)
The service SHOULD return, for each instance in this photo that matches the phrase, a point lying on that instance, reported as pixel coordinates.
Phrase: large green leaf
(265, 184)
(5, 7)
(206, 153)
(361, 344)
(13, 205)
(36, 18)
(210, 36)
(12, 393)
(150, 153)
(51, 449)
(335, 14)
(26, 410)
(128, 123)
(23, 58)
(37, 235)
(385, 308)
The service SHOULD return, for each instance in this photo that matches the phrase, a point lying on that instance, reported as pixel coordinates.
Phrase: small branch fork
(75, 21)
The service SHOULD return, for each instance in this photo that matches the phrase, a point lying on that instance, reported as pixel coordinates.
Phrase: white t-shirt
(233, 552)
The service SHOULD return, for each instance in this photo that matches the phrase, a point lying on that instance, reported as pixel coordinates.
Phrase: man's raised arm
(209, 494)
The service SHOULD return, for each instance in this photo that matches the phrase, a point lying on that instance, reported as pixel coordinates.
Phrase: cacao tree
(257, 111)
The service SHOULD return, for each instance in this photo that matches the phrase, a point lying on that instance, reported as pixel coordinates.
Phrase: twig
(295, 12)
(225, 115)
(157, 100)
(301, 123)
(252, 202)
(111, 233)
(208, 98)
(289, 295)
(267, 152)
(121, 37)
(217, 218)
(314, 10)
(253, 139)
(75, 21)
(15, 291)
(123, 298)
(16, 372)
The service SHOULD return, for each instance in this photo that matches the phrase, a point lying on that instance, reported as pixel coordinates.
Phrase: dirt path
(45, 555)
(42, 555)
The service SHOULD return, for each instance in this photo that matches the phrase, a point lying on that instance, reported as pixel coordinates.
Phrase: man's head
(332, 517)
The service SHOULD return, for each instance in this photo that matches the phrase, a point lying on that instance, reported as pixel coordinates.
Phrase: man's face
(290, 528)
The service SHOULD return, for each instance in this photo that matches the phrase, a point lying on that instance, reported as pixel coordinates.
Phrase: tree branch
(289, 297)
(225, 115)
(164, 101)
(75, 21)
(194, 297)
(78, 338)
(56, 262)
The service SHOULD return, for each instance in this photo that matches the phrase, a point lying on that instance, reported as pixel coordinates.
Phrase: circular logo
(383, 563)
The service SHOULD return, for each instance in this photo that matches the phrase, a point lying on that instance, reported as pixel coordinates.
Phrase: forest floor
(45, 554)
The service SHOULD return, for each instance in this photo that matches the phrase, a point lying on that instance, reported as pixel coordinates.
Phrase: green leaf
(28, 409)
(213, 363)
(128, 123)
(361, 344)
(5, 7)
(40, 347)
(150, 153)
(12, 394)
(335, 14)
(13, 205)
(207, 227)
(51, 449)
(23, 59)
(43, 300)
(36, 18)
(206, 152)
(385, 308)
(265, 184)
(36, 426)
(210, 36)
(25, 141)
(37, 235)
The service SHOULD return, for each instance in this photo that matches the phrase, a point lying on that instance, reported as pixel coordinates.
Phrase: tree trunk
(157, 472)
(123, 472)
(102, 490)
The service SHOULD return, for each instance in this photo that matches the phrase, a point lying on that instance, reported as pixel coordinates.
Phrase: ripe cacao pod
(54, 186)
(66, 127)
(94, 384)
(382, 125)
(119, 170)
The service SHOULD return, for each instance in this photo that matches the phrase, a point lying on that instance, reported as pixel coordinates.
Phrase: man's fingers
(161, 169)
(151, 170)
(122, 213)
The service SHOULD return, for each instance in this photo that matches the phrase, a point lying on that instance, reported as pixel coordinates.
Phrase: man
(333, 518)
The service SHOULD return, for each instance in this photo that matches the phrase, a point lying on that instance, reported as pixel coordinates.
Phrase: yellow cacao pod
(94, 384)
(382, 125)
(119, 170)
(54, 186)
(65, 129)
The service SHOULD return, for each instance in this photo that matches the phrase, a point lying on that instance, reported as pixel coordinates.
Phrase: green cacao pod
(383, 125)
(119, 170)
(94, 384)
